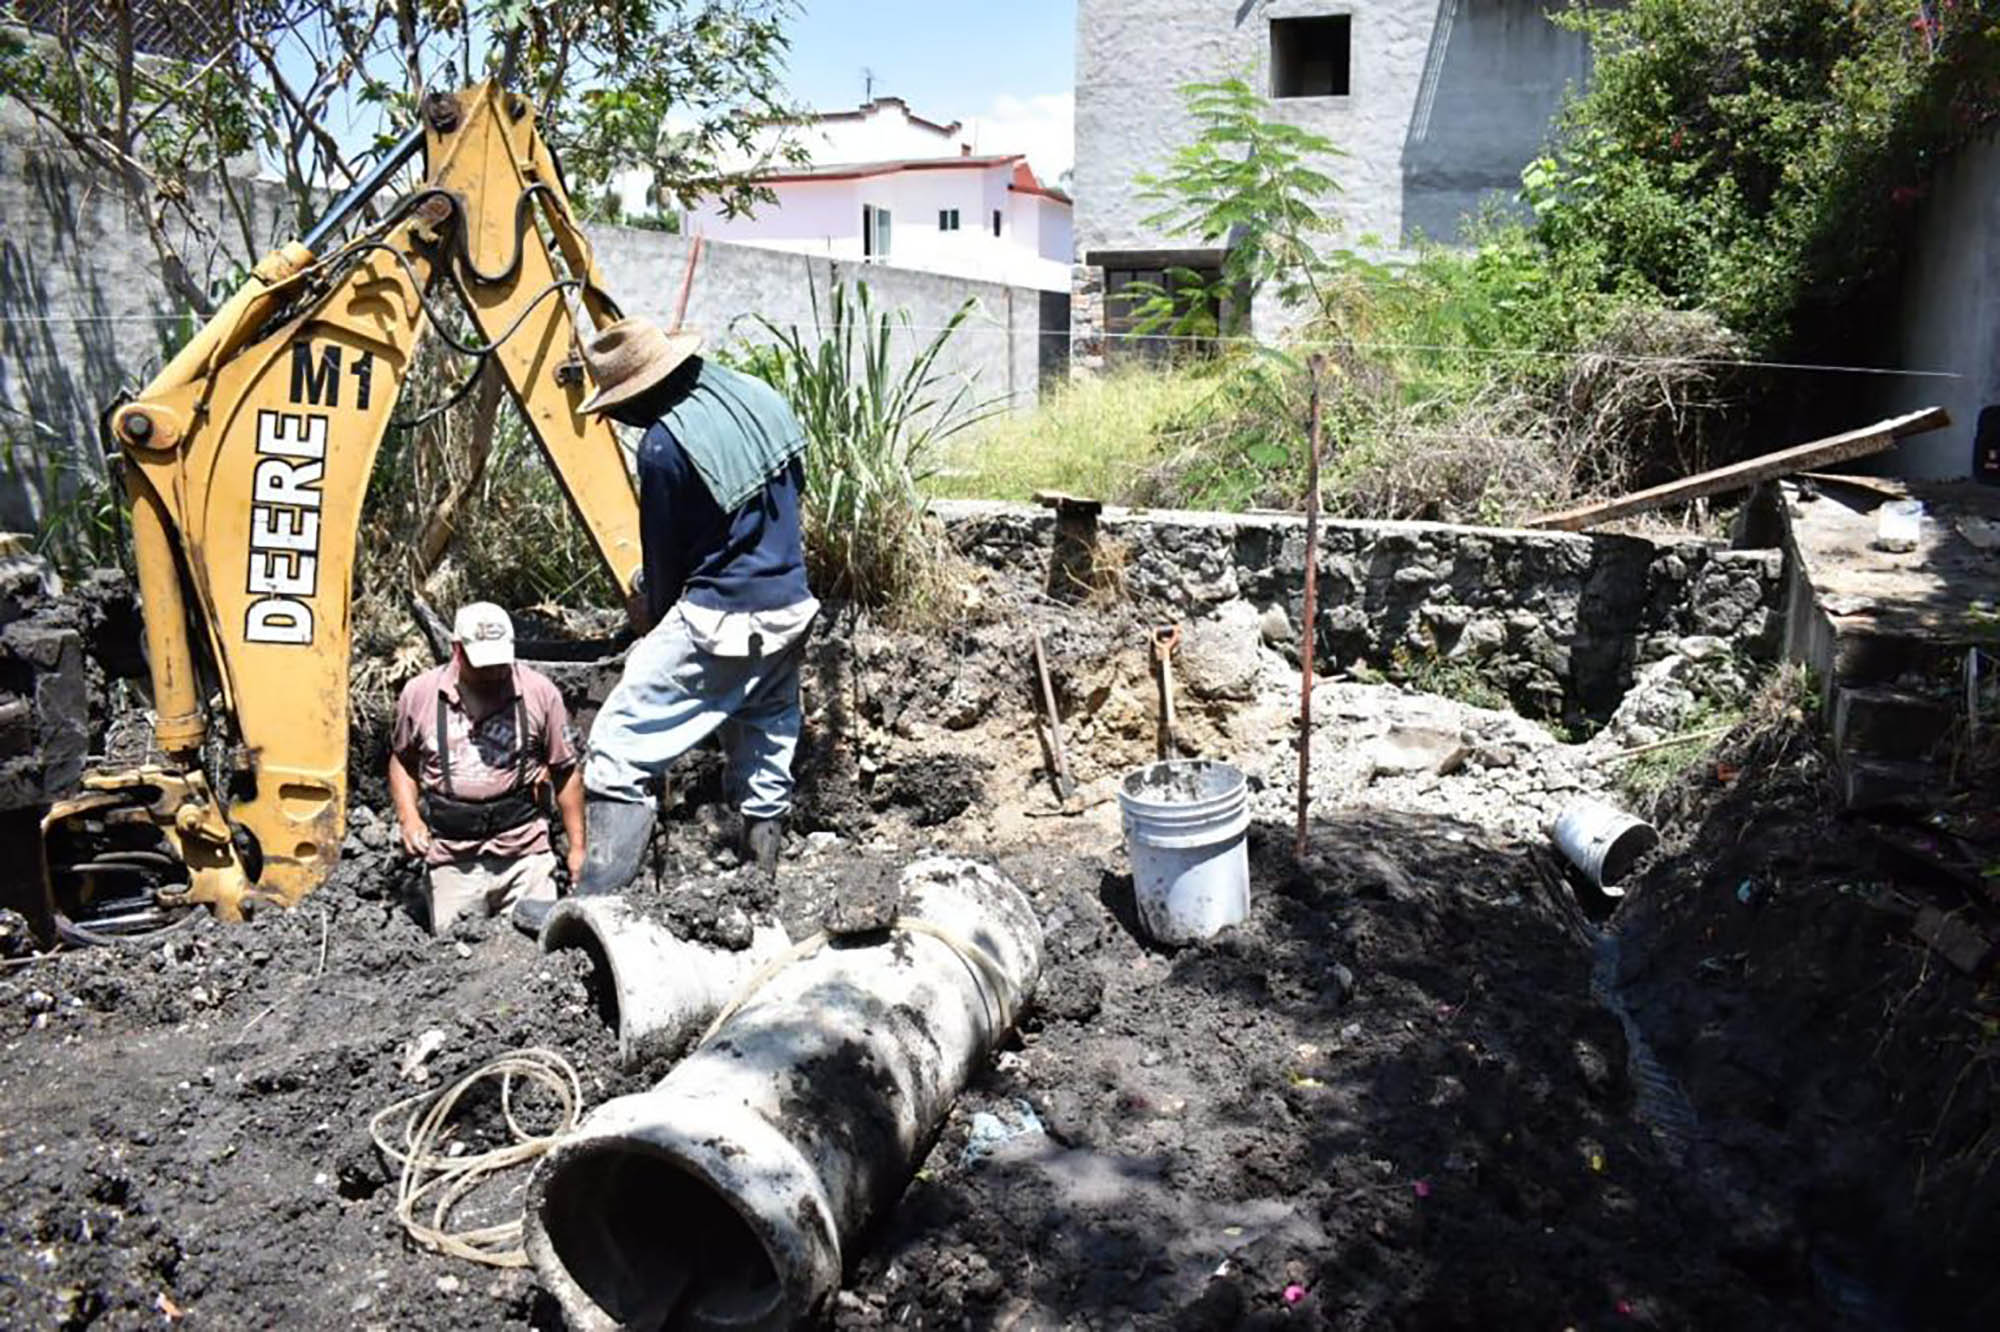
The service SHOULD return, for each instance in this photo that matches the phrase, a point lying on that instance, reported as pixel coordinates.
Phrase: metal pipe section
(663, 989)
(359, 193)
(726, 1196)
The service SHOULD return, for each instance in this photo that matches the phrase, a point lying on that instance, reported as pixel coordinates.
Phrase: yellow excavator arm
(245, 462)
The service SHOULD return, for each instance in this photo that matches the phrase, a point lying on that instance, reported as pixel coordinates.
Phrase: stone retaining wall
(1562, 622)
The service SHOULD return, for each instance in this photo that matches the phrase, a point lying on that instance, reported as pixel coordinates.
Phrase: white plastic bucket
(1603, 842)
(1185, 824)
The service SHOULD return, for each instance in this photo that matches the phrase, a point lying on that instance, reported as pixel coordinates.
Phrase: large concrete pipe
(724, 1197)
(663, 990)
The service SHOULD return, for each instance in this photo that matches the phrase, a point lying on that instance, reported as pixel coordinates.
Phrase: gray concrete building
(1436, 106)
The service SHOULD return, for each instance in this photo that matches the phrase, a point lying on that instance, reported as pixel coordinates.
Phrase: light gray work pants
(488, 885)
(673, 696)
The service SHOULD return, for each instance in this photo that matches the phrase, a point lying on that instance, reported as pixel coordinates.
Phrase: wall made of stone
(1563, 622)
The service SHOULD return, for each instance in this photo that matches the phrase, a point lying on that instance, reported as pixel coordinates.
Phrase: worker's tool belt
(460, 820)
(457, 819)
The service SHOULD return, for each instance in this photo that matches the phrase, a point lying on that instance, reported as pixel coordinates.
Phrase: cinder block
(1863, 659)
(1869, 783)
(1875, 721)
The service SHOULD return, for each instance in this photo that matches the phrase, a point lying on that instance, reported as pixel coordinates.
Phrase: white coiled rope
(437, 1182)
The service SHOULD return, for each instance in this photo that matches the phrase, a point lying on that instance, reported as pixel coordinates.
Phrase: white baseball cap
(484, 633)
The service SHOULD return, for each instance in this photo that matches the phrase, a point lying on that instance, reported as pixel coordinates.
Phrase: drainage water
(1662, 1106)
(1665, 1110)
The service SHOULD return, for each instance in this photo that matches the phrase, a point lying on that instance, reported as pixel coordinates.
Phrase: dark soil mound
(1389, 1099)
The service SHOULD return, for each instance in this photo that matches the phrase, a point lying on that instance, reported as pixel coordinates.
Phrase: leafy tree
(1244, 183)
(316, 88)
(1759, 160)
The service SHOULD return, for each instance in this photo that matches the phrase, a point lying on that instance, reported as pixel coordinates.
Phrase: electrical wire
(995, 329)
(438, 1181)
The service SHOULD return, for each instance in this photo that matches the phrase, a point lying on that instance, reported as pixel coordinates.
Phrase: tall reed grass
(877, 404)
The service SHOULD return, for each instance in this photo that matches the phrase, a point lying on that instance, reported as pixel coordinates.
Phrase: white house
(885, 186)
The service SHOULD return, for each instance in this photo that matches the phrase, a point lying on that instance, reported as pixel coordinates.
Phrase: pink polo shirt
(484, 750)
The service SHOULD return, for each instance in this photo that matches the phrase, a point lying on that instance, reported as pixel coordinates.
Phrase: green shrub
(1481, 383)
(1758, 161)
(82, 520)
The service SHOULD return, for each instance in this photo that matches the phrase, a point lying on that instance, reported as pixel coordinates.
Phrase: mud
(1182, 783)
(1841, 1075)
(1404, 1093)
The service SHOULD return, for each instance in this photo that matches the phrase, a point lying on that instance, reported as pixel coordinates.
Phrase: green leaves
(1758, 160)
(1245, 184)
(877, 405)
(316, 88)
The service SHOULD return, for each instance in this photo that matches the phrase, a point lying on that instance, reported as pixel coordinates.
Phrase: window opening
(874, 232)
(1310, 56)
(1191, 287)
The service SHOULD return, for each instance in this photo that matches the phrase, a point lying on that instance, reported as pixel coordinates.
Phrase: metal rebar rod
(1317, 364)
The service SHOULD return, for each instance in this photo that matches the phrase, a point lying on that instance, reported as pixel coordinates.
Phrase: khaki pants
(489, 884)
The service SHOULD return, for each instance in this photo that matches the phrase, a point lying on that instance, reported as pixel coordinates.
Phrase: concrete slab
(1945, 593)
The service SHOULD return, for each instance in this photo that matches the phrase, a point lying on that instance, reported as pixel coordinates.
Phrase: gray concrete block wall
(84, 313)
(998, 350)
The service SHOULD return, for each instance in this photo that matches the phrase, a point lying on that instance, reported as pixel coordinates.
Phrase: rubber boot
(617, 833)
(762, 840)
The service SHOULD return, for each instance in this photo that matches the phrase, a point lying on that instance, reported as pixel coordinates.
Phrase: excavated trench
(1420, 1086)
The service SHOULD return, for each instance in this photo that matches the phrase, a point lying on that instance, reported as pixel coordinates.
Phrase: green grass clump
(876, 426)
(1459, 680)
(1096, 437)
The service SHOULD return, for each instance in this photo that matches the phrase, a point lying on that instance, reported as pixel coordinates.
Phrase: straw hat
(630, 356)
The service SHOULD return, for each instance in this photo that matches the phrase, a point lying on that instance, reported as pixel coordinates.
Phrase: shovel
(1064, 786)
(1165, 640)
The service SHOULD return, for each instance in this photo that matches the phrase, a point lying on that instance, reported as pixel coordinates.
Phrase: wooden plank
(1860, 443)
(1867, 485)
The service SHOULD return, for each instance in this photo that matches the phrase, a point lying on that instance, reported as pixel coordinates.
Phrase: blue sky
(936, 56)
(1006, 68)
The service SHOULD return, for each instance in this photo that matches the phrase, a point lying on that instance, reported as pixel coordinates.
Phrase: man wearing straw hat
(720, 474)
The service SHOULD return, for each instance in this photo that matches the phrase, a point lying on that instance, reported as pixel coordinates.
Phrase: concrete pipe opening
(573, 930)
(655, 990)
(654, 1245)
(724, 1197)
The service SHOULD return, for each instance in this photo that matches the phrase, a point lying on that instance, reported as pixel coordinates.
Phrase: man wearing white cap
(721, 470)
(480, 737)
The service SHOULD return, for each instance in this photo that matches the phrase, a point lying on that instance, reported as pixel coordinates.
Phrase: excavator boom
(245, 462)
